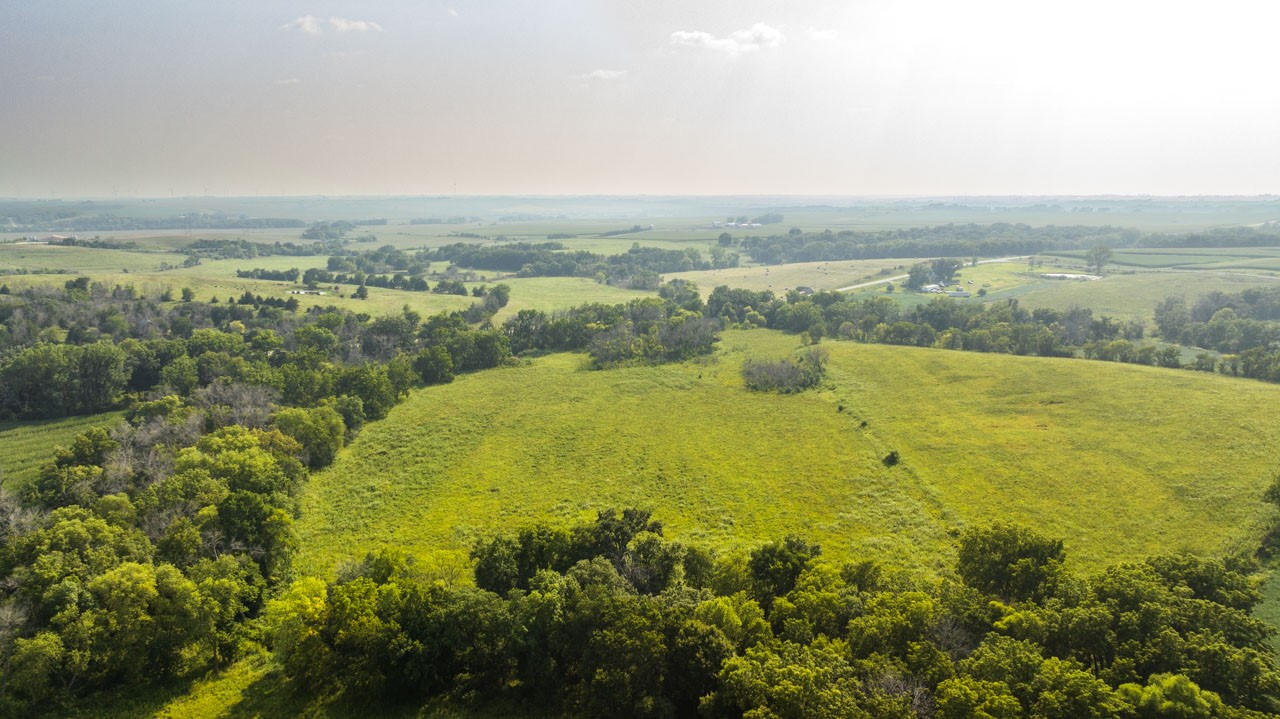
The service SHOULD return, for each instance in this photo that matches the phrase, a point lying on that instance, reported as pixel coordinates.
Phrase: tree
(99, 376)
(362, 293)
(793, 681)
(1172, 317)
(319, 430)
(917, 277)
(944, 269)
(1011, 562)
(434, 365)
(1171, 695)
(776, 566)
(1098, 257)
(725, 239)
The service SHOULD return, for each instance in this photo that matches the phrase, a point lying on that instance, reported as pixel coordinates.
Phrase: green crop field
(981, 437)
(1269, 264)
(28, 445)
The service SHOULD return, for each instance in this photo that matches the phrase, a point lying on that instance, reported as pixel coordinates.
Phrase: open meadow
(1134, 295)
(780, 278)
(981, 437)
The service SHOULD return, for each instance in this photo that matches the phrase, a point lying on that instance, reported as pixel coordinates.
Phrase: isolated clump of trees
(787, 375)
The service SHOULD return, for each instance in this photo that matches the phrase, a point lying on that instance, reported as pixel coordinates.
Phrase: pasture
(1185, 257)
(1134, 296)
(780, 278)
(1121, 461)
(83, 260)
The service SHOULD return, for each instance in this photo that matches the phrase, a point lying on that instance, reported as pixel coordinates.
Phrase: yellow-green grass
(559, 293)
(1120, 461)
(254, 688)
(1269, 610)
(25, 446)
(80, 259)
(999, 279)
(1191, 257)
(780, 278)
(1134, 296)
(1269, 264)
(227, 268)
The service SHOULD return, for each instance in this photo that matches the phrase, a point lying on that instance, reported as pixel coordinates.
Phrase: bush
(786, 375)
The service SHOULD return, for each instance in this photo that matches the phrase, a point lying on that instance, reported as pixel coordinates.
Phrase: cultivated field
(28, 445)
(981, 437)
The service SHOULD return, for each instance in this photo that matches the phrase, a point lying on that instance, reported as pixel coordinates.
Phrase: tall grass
(1121, 461)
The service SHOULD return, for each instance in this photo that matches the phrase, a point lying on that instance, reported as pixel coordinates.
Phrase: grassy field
(1186, 257)
(84, 260)
(28, 445)
(1121, 461)
(543, 293)
(780, 278)
(1134, 296)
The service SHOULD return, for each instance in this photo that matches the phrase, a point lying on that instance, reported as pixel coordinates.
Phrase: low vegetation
(786, 375)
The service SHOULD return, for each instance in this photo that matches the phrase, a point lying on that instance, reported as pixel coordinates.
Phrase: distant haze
(191, 97)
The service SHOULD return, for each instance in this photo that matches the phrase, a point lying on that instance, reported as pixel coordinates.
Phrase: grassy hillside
(1121, 461)
(27, 445)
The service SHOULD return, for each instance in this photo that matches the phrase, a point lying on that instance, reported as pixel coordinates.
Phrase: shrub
(786, 375)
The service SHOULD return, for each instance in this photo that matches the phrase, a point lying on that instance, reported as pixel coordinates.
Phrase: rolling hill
(1121, 461)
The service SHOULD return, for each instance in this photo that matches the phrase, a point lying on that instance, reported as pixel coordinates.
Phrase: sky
(659, 97)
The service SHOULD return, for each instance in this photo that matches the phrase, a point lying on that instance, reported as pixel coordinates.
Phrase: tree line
(1244, 327)
(86, 349)
(995, 240)
(638, 267)
(613, 618)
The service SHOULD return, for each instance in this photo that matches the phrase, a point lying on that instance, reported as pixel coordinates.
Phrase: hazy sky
(638, 96)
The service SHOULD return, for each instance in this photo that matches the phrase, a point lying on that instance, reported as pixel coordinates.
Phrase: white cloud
(312, 25)
(756, 37)
(340, 24)
(602, 75)
(348, 54)
(309, 24)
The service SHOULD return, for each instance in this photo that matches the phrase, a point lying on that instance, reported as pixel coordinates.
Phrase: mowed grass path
(1120, 461)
